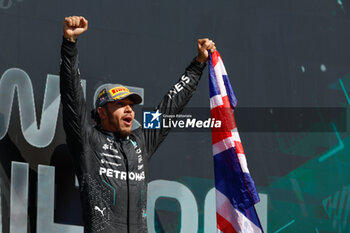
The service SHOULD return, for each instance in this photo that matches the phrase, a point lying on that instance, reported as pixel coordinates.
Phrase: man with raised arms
(110, 159)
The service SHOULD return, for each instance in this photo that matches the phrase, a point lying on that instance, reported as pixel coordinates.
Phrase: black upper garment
(112, 171)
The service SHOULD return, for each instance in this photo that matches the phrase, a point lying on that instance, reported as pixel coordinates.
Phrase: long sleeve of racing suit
(75, 117)
(173, 103)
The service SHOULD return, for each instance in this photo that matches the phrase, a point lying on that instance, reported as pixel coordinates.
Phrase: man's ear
(102, 113)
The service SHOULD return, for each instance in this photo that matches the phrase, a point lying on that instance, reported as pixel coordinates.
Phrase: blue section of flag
(230, 93)
(213, 86)
(230, 180)
(253, 216)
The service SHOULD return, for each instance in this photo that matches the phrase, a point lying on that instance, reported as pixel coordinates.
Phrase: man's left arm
(179, 95)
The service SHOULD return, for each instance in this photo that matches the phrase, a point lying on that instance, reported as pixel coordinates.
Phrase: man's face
(119, 116)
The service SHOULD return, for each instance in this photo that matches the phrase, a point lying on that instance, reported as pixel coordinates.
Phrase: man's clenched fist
(73, 26)
(203, 46)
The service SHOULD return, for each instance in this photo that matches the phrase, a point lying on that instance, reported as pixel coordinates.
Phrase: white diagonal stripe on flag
(235, 135)
(223, 145)
(239, 222)
(216, 101)
(220, 81)
(243, 162)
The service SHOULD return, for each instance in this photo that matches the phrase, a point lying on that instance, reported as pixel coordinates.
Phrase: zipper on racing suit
(122, 143)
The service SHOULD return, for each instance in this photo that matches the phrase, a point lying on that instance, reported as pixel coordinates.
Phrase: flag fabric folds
(235, 189)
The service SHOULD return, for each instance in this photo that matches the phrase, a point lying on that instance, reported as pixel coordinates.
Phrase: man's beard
(119, 131)
(123, 133)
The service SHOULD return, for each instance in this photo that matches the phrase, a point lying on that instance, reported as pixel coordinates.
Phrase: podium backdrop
(278, 54)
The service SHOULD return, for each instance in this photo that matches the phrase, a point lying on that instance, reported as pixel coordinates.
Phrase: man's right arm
(75, 117)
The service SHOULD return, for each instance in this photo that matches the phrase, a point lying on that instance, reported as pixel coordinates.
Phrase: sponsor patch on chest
(120, 175)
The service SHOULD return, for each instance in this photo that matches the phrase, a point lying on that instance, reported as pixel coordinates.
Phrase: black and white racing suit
(112, 171)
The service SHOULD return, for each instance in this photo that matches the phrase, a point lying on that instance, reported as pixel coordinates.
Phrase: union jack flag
(236, 193)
